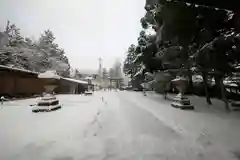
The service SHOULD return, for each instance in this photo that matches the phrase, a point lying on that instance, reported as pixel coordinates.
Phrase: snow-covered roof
(17, 69)
(74, 80)
(89, 78)
(49, 74)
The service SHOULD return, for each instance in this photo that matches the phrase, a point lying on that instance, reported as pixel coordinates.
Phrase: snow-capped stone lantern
(181, 101)
(48, 101)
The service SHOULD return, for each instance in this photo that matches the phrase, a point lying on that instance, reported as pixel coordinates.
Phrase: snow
(139, 72)
(231, 84)
(57, 64)
(127, 126)
(197, 78)
(49, 74)
(179, 79)
(205, 123)
(75, 80)
(89, 78)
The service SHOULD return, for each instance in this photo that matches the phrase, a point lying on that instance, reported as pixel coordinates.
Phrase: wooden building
(73, 86)
(16, 82)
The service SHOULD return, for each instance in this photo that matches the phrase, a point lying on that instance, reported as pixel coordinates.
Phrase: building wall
(67, 87)
(15, 85)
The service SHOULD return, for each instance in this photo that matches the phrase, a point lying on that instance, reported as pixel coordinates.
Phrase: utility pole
(100, 69)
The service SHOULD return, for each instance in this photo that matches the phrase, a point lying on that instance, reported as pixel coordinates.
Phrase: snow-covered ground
(23, 131)
(117, 125)
(210, 123)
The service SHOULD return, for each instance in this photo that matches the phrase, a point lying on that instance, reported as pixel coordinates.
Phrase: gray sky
(86, 29)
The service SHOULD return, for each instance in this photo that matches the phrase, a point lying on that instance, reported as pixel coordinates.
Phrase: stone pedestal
(181, 101)
(48, 101)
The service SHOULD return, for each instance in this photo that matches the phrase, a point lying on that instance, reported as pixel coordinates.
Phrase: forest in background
(36, 55)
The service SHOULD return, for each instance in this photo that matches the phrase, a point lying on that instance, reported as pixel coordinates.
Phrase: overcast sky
(86, 29)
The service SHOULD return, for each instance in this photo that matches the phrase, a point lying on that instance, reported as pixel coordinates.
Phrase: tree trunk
(220, 85)
(217, 79)
(224, 97)
(208, 99)
(190, 86)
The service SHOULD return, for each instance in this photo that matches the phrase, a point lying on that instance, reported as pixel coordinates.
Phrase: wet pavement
(109, 126)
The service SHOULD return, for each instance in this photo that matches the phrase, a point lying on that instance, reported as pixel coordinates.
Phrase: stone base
(45, 108)
(88, 93)
(182, 103)
(47, 103)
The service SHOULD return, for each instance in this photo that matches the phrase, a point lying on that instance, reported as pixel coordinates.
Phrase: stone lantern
(48, 101)
(181, 101)
(90, 88)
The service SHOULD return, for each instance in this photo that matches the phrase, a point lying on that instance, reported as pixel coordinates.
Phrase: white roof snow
(49, 74)
(75, 80)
